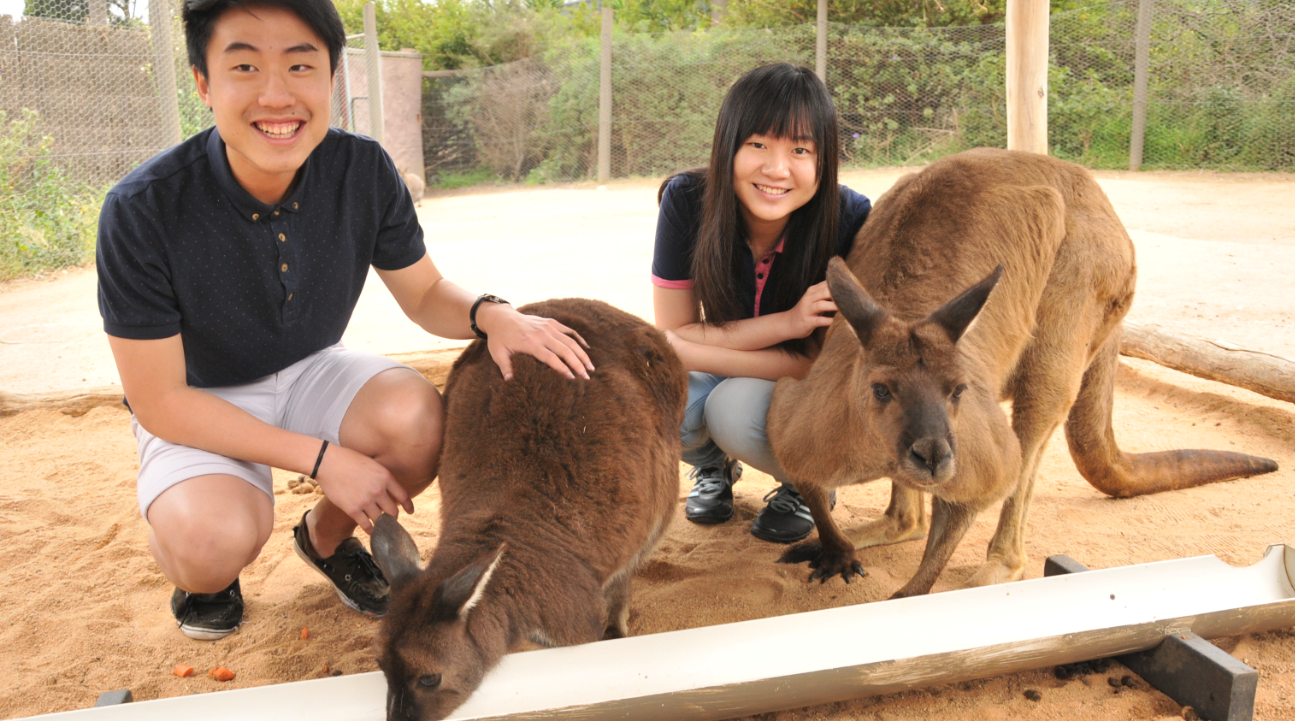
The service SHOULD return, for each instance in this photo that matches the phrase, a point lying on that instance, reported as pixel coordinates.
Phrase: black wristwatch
(472, 314)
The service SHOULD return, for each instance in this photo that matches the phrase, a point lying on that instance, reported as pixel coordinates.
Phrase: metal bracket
(1187, 668)
(114, 698)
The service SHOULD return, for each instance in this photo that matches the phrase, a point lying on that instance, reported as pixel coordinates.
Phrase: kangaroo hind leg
(1043, 389)
(905, 520)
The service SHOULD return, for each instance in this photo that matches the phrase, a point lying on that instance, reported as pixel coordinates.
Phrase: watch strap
(472, 314)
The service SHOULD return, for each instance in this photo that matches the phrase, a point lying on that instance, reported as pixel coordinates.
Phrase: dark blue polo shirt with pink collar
(250, 288)
(676, 236)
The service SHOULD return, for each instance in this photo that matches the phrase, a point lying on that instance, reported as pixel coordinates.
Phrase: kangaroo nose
(930, 453)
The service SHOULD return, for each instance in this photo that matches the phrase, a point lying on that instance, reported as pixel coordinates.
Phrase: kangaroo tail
(1120, 474)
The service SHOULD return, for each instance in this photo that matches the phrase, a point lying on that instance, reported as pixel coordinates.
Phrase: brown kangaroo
(552, 492)
(908, 387)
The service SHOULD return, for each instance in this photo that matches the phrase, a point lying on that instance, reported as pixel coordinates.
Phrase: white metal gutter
(723, 671)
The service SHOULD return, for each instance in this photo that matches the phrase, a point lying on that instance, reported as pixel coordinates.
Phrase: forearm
(192, 417)
(443, 310)
(750, 334)
(767, 363)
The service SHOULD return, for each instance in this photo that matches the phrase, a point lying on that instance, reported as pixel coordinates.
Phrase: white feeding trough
(724, 671)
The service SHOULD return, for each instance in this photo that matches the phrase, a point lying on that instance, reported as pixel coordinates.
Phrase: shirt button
(289, 296)
(284, 267)
(256, 216)
(757, 275)
(282, 237)
(276, 213)
(294, 206)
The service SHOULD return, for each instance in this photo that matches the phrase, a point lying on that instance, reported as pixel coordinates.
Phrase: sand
(84, 609)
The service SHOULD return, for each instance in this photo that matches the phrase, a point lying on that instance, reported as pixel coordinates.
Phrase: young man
(228, 269)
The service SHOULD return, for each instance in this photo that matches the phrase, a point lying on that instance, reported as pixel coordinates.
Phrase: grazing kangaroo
(416, 186)
(908, 387)
(553, 491)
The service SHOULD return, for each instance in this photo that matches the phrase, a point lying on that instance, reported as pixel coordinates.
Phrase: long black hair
(785, 101)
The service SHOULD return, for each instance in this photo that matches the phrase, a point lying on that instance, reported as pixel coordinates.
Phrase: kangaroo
(416, 186)
(553, 491)
(908, 385)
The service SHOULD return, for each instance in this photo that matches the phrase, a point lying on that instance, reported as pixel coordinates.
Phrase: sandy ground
(84, 608)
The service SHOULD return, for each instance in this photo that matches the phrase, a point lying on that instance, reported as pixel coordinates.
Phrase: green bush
(46, 221)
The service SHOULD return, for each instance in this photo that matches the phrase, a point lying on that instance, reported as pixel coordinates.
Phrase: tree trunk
(1263, 373)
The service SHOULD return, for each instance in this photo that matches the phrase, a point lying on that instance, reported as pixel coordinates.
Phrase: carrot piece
(221, 674)
(305, 633)
(182, 671)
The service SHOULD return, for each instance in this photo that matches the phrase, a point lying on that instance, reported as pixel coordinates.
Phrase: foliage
(45, 221)
(463, 180)
(454, 34)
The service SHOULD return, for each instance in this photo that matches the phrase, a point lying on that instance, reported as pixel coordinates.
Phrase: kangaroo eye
(957, 392)
(881, 391)
(431, 680)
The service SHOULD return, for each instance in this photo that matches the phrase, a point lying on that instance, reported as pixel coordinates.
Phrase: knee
(411, 425)
(736, 411)
(204, 552)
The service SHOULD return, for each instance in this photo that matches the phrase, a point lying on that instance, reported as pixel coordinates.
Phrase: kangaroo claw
(825, 564)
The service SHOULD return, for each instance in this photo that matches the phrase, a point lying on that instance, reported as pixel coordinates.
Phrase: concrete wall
(402, 92)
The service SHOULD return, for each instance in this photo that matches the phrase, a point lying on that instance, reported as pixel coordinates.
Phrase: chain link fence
(1221, 92)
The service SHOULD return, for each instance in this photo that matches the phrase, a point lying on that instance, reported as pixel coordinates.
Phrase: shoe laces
(708, 481)
(784, 499)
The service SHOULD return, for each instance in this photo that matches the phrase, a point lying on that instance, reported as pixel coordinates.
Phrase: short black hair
(200, 18)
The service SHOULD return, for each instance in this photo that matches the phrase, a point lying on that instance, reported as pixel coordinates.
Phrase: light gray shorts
(309, 397)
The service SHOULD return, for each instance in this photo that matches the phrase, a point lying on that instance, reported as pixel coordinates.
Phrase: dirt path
(84, 608)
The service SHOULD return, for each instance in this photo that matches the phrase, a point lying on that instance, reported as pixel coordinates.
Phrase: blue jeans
(725, 418)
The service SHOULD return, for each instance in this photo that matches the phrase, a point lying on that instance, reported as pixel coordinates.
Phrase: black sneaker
(354, 575)
(785, 518)
(208, 616)
(711, 500)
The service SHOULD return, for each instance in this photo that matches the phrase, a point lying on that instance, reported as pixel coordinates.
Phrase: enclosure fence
(91, 88)
(1221, 94)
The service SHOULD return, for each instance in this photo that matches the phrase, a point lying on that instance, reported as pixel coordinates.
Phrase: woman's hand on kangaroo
(363, 488)
(807, 315)
(510, 332)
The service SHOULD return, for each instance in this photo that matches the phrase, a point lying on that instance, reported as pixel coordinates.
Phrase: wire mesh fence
(1222, 84)
(91, 88)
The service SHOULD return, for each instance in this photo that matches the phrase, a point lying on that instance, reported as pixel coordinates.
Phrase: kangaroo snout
(930, 459)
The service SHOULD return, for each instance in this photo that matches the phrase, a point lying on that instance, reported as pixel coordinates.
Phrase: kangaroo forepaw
(825, 563)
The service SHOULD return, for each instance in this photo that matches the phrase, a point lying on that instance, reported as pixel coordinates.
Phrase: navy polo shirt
(676, 235)
(250, 288)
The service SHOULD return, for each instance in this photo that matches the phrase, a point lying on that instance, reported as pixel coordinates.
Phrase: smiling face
(269, 86)
(773, 177)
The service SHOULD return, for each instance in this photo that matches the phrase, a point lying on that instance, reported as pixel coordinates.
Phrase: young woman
(738, 274)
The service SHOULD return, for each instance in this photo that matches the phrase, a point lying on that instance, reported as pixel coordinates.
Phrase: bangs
(792, 117)
(782, 101)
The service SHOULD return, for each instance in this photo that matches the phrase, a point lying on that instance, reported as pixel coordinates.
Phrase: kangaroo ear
(394, 550)
(956, 315)
(853, 301)
(461, 592)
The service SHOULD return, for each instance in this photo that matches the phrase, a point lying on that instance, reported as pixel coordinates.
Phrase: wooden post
(372, 63)
(1141, 66)
(1027, 75)
(717, 8)
(605, 101)
(820, 42)
(159, 27)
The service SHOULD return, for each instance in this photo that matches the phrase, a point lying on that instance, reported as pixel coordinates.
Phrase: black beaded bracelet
(472, 314)
(319, 460)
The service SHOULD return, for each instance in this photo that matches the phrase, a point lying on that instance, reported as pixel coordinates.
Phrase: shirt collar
(248, 206)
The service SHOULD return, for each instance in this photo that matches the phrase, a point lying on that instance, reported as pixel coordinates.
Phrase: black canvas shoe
(785, 517)
(354, 575)
(711, 500)
(208, 616)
